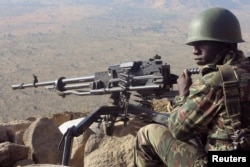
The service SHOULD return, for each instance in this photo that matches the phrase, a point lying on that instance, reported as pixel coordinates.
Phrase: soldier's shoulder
(211, 75)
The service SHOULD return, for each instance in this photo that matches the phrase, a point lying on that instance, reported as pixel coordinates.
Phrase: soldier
(204, 109)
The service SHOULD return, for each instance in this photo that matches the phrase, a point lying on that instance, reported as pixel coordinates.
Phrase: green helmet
(215, 24)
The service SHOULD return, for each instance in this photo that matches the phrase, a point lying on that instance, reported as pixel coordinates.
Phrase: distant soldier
(213, 109)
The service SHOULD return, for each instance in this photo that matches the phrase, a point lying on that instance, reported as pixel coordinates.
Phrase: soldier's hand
(184, 82)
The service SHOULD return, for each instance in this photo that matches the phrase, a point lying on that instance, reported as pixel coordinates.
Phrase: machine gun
(145, 77)
(149, 79)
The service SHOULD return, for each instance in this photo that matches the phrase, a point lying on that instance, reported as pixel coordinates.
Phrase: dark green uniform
(201, 114)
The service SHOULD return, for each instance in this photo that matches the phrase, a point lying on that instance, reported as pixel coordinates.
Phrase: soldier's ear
(232, 46)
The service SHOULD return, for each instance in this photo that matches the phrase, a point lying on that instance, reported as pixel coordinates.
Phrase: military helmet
(215, 24)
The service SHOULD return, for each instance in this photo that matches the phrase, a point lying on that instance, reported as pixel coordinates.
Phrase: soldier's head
(212, 31)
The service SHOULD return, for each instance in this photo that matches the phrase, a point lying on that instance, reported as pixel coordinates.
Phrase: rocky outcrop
(12, 148)
(34, 142)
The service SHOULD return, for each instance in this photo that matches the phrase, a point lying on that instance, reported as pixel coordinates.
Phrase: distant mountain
(168, 5)
(175, 5)
(172, 5)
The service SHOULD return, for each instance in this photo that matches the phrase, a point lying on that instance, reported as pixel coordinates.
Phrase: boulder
(112, 151)
(78, 147)
(3, 134)
(10, 153)
(24, 162)
(43, 137)
(15, 129)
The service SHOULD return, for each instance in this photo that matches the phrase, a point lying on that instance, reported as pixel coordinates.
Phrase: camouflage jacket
(203, 110)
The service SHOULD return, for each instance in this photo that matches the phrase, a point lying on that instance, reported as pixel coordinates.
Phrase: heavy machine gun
(145, 77)
(148, 79)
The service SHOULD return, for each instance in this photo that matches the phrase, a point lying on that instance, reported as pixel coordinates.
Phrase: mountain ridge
(168, 5)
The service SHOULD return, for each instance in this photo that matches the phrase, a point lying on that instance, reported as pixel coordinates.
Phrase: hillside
(81, 37)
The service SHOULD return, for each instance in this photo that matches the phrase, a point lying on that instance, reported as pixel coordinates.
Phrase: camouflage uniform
(201, 113)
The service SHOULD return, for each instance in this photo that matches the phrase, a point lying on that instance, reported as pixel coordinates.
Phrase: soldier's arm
(192, 114)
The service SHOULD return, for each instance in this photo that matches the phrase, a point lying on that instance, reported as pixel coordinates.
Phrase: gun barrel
(143, 77)
(23, 85)
(61, 81)
(77, 86)
(108, 90)
(79, 79)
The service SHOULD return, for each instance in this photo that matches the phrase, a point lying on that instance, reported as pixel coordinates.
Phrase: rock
(78, 147)
(112, 151)
(93, 143)
(3, 134)
(24, 162)
(10, 153)
(13, 129)
(19, 137)
(60, 118)
(43, 137)
(38, 140)
(44, 165)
